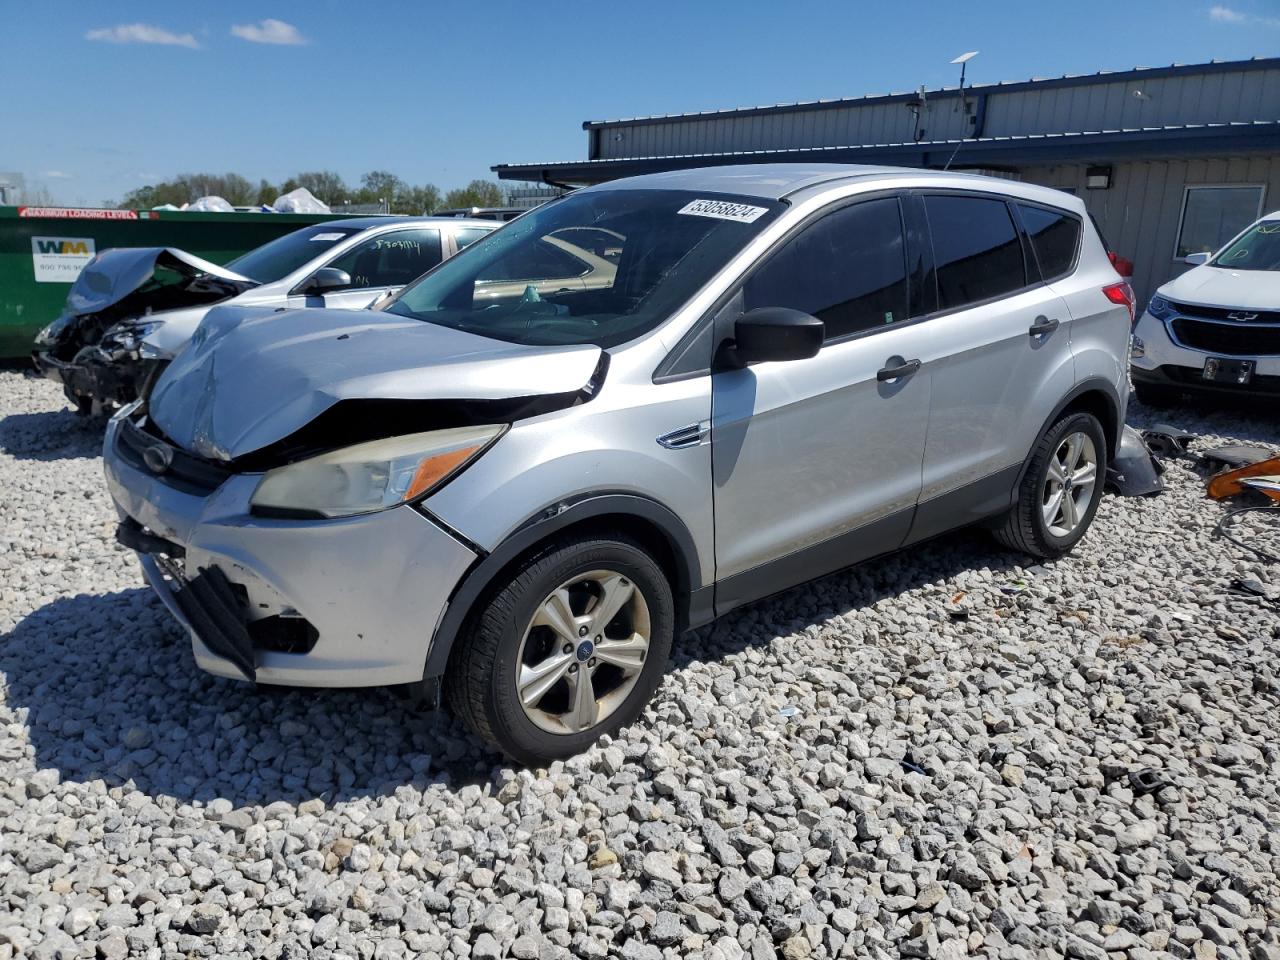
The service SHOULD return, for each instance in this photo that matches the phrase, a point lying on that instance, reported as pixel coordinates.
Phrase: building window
(1213, 215)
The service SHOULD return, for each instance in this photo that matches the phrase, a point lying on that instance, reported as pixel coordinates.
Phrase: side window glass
(976, 249)
(1054, 235)
(392, 259)
(551, 258)
(468, 235)
(849, 270)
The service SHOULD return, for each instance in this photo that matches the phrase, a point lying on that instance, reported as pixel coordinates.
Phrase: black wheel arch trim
(691, 595)
(1092, 385)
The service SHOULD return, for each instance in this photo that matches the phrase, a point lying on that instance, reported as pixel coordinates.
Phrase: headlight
(1160, 308)
(372, 476)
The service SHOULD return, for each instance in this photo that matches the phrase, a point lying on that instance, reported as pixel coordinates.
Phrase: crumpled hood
(1219, 287)
(254, 376)
(114, 274)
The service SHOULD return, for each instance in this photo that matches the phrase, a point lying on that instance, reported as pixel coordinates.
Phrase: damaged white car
(132, 310)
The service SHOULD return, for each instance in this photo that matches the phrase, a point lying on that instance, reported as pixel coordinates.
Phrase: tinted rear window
(975, 248)
(1055, 236)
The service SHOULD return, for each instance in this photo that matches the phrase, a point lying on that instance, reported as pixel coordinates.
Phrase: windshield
(598, 267)
(283, 255)
(1258, 248)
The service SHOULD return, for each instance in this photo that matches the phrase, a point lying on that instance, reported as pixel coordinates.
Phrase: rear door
(816, 463)
(999, 357)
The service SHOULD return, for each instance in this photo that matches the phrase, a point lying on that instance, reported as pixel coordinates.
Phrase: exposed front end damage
(96, 349)
(273, 595)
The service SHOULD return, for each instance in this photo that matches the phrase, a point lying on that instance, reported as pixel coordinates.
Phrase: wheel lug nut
(591, 662)
(573, 668)
(568, 648)
(598, 639)
(583, 631)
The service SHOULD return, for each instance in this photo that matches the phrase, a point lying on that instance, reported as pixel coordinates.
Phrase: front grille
(1229, 339)
(1224, 313)
(187, 473)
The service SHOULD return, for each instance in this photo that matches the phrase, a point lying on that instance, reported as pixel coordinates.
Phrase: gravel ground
(926, 757)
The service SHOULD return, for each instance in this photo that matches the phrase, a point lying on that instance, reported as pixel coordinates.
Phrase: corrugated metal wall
(1137, 101)
(1139, 214)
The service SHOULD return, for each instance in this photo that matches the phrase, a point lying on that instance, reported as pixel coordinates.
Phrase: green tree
(416, 200)
(379, 186)
(325, 185)
(267, 193)
(477, 193)
(186, 187)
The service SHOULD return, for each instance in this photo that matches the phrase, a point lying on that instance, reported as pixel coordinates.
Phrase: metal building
(1169, 160)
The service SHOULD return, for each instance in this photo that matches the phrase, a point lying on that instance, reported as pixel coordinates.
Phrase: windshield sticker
(723, 210)
(330, 237)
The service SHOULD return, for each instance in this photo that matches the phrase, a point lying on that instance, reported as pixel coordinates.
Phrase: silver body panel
(780, 456)
(375, 616)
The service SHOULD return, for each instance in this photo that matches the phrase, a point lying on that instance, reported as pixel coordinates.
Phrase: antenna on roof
(963, 60)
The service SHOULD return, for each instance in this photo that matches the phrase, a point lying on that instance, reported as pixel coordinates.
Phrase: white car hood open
(253, 376)
(1210, 286)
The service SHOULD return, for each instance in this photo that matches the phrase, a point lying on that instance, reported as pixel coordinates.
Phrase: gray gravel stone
(189, 815)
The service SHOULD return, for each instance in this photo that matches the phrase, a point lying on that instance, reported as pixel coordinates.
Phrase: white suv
(1216, 328)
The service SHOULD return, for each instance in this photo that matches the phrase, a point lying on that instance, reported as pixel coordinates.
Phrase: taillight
(1121, 293)
(1123, 265)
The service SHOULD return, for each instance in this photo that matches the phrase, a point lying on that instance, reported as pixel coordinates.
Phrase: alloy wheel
(1068, 486)
(582, 651)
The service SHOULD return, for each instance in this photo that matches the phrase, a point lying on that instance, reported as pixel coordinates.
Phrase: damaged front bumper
(322, 603)
(100, 374)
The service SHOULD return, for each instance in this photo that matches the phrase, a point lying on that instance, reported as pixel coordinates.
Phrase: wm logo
(53, 245)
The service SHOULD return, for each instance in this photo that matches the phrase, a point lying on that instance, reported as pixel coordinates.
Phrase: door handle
(896, 367)
(1043, 326)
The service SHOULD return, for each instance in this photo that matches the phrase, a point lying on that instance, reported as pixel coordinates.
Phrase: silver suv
(520, 492)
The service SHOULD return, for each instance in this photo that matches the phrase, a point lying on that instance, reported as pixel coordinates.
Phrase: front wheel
(571, 648)
(1060, 489)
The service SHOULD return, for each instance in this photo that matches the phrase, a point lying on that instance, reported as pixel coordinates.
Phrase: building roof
(1006, 86)
(1088, 146)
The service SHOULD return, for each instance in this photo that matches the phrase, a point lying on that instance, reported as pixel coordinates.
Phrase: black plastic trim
(692, 596)
(987, 497)
(845, 550)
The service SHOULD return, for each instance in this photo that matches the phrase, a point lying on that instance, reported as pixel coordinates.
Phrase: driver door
(817, 463)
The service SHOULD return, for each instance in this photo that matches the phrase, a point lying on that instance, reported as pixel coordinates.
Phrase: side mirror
(1196, 259)
(775, 333)
(325, 280)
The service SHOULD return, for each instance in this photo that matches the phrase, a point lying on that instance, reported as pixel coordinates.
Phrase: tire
(503, 644)
(1155, 395)
(1026, 527)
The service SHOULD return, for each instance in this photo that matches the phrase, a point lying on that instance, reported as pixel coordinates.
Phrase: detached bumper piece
(209, 602)
(210, 605)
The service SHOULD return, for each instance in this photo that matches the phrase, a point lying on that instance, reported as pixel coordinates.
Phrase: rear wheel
(570, 649)
(1060, 489)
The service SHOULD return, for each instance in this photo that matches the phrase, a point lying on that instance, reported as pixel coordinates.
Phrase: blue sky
(96, 99)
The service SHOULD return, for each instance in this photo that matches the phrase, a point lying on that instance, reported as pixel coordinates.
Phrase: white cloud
(1226, 14)
(269, 31)
(142, 33)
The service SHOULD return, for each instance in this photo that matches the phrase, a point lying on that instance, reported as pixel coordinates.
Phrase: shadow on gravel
(52, 435)
(113, 694)
(846, 592)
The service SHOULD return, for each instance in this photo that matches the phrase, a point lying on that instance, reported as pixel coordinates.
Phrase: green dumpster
(42, 250)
